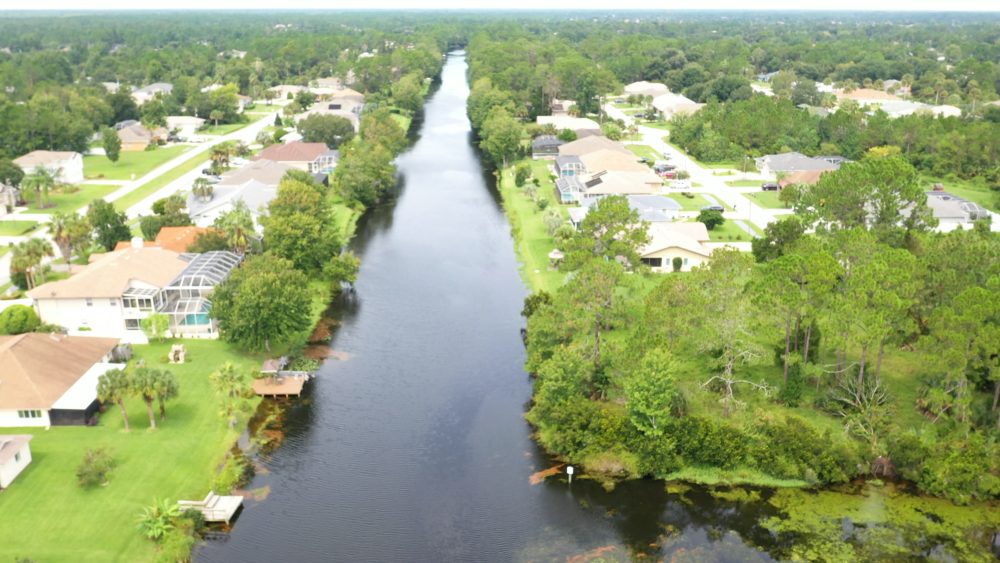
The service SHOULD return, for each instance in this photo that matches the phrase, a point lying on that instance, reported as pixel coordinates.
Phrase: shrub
(541, 203)
(791, 393)
(521, 173)
(677, 263)
(95, 468)
(711, 219)
(18, 319)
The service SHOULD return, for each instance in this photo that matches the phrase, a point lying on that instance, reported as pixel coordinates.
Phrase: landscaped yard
(744, 183)
(644, 151)
(47, 517)
(222, 128)
(66, 202)
(16, 228)
(730, 231)
(770, 200)
(694, 203)
(133, 162)
(149, 188)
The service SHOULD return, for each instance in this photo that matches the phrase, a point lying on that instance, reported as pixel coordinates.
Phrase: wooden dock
(284, 384)
(215, 508)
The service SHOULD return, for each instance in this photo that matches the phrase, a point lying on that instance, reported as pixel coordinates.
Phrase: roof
(255, 184)
(670, 103)
(264, 171)
(207, 269)
(866, 94)
(293, 152)
(546, 141)
(686, 236)
(806, 177)
(792, 161)
(948, 206)
(175, 121)
(569, 185)
(569, 160)
(623, 183)
(43, 158)
(138, 132)
(156, 87)
(10, 444)
(612, 160)
(41, 368)
(647, 88)
(111, 274)
(651, 208)
(567, 122)
(591, 144)
(178, 239)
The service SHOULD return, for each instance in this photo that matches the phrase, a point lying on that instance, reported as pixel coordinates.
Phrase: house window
(113, 302)
(132, 324)
(653, 262)
(90, 302)
(17, 457)
(685, 261)
(29, 414)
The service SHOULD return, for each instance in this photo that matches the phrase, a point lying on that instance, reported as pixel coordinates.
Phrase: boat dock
(215, 508)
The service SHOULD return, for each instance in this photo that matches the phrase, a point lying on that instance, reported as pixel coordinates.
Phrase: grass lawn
(644, 151)
(694, 203)
(662, 125)
(132, 162)
(532, 240)
(974, 191)
(769, 200)
(403, 120)
(16, 228)
(56, 520)
(744, 183)
(730, 231)
(149, 188)
(68, 202)
(222, 129)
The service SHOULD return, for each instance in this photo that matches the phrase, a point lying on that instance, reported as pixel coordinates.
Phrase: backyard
(770, 200)
(131, 162)
(16, 228)
(730, 231)
(57, 520)
(63, 200)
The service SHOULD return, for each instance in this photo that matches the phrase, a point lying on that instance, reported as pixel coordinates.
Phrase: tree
(202, 189)
(612, 231)
(39, 183)
(237, 226)
(406, 92)
(365, 173)
(591, 294)
(144, 384)
(157, 521)
(110, 226)
(10, 173)
(69, 231)
(215, 115)
(501, 137)
(95, 467)
(343, 268)
(264, 301)
(112, 144)
(27, 257)
(112, 387)
(155, 326)
(232, 384)
(778, 237)
(333, 130)
(18, 319)
(296, 226)
(650, 393)
(711, 218)
(166, 386)
(208, 241)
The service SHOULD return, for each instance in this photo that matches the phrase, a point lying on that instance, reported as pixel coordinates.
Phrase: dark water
(415, 447)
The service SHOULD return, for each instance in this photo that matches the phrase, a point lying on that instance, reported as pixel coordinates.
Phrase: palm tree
(113, 387)
(156, 520)
(40, 181)
(144, 385)
(68, 230)
(237, 226)
(167, 387)
(202, 189)
(27, 257)
(232, 384)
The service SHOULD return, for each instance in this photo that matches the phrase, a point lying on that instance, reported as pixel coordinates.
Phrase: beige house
(671, 104)
(310, 157)
(147, 93)
(15, 455)
(184, 125)
(621, 183)
(643, 88)
(563, 121)
(281, 91)
(50, 379)
(590, 144)
(668, 241)
(612, 161)
(66, 166)
(137, 137)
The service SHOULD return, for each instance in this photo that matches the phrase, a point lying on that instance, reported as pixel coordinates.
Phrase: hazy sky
(853, 5)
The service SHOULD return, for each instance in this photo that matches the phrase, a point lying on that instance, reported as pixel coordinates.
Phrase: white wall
(102, 318)
(10, 470)
(9, 419)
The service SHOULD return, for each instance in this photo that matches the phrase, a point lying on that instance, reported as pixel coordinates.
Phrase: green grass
(149, 188)
(404, 120)
(644, 151)
(715, 476)
(770, 200)
(662, 125)
(532, 240)
(744, 183)
(68, 202)
(730, 232)
(222, 128)
(16, 228)
(694, 203)
(46, 516)
(974, 191)
(132, 162)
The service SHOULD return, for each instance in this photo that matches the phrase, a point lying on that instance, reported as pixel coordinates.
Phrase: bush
(791, 393)
(521, 173)
(711, 218)
(541, 203)
(95, 468)
(18, 319)
(677, 263)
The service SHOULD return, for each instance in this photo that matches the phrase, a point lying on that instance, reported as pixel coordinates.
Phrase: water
(414, 447)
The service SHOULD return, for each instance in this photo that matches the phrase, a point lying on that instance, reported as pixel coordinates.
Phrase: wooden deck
(280, 386)
(215, 508)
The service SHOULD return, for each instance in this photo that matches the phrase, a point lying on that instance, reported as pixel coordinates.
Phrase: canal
(412, 445)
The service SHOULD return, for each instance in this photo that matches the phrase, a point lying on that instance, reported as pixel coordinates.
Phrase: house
(9, 196)
(137, 137)
(570, 189)
(256, 184)
(546, 146)
(287, 91)
(51, 380)
(560, 107)
(788, 162)
(176, 239)
(330, 108)
(112, 294)
(578, 125)
(15, 455)
(184, 125)
(345, 95)
(147, 93)
(621, 183)
(310, 157)
(569, 166)
(651, 208)
(643, 88)
(590, 144)
(668, 241)
(185, 300)
(801, 178)
(66, 166)
(767, 76)
(329, 82)
(953, 212)
(611, 160)
(671, 104)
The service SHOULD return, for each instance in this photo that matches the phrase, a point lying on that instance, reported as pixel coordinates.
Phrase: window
(113, 302)
(90, 302)
(29, 414)
(685, 261)
(653, 262)
(132, 324)
(17, 457)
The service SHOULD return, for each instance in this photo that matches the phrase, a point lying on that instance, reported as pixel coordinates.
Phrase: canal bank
(411, 444)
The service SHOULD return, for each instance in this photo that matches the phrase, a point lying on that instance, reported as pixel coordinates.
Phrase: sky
(849, 5)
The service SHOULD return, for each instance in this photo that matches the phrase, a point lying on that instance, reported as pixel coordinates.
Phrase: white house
(147, 93)
(643, 88)
(15, 455)
(683, 241)
(671, 104)
(51, 380)
(185, 125)
(112, 295)
(66, 166)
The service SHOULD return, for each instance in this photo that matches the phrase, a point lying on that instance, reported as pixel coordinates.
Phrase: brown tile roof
(110, 275)
(10, 444)
(138, 132)
(39, 368)
(177, 239)
(293, 152)
(808, 177)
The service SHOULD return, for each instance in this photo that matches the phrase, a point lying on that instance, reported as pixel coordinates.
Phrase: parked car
(664, 167)
(718, 208)
(770, 187)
